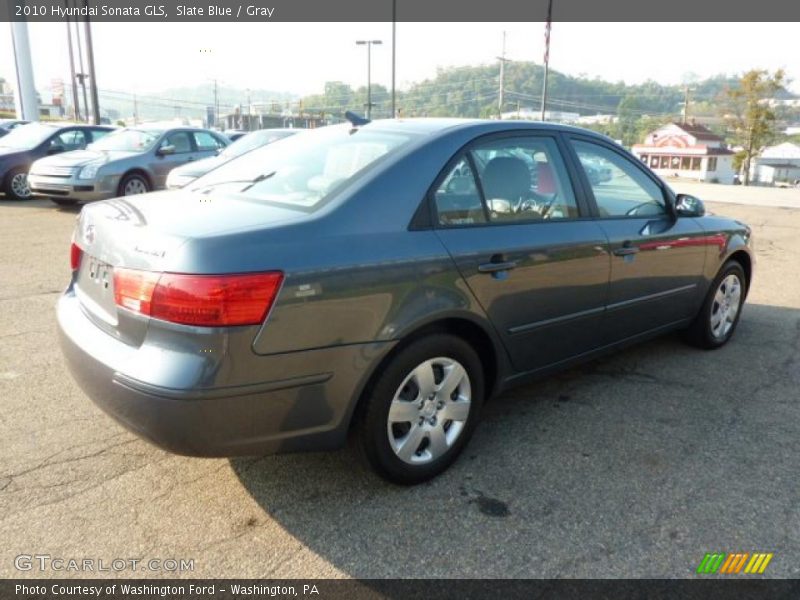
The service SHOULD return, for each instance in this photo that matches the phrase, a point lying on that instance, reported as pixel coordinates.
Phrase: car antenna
(354, 119)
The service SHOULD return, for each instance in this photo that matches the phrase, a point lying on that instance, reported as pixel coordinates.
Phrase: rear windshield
(253, 140)
(305, 169)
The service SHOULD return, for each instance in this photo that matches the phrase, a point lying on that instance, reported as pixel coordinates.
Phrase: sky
(300, 57)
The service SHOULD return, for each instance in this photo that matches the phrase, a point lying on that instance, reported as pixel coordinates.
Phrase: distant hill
(188, 101)
(473, 92)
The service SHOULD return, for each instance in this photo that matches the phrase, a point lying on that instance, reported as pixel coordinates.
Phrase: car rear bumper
(83, 190)
(305, 405)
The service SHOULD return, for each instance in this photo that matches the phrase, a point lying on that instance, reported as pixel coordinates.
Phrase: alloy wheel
(135, 186)
(19, 185)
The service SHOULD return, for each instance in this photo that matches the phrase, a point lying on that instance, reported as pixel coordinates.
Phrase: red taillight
(75, 256)
(204, 300)
(133, 289)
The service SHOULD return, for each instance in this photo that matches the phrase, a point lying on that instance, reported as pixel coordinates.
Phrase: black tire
(64, 201)
(133, 178)
(372, 426)
(9, 185)
(700, 333)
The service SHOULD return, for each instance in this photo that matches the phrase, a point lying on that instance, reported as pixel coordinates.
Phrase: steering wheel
(539, 203)
(634, 211)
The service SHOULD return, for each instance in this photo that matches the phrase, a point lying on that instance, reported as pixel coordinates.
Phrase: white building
(532, 114)
(687, 150)
(776, 164)
(597, 119)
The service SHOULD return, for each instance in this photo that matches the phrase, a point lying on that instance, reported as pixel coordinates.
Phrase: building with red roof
(687, 150)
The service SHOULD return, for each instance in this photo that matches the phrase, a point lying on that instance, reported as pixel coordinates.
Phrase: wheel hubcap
(429, 410)
(135, 186)
(726, 306)
(19, 185)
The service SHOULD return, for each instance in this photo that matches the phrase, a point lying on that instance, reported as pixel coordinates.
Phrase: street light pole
(369, 44)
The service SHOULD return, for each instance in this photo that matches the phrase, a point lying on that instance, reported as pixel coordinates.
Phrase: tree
(749, 114)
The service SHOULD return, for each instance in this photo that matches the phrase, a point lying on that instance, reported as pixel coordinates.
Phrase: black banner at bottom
(405, 589)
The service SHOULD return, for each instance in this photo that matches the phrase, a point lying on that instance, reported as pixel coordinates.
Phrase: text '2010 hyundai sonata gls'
(383, 280)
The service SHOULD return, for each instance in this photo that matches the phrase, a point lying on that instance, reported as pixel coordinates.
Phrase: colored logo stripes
(734, 564)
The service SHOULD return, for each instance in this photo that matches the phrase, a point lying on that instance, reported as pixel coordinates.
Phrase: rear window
(304, 169)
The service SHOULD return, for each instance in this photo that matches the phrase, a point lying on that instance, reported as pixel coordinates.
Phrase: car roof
(433, 126)
(62, 125)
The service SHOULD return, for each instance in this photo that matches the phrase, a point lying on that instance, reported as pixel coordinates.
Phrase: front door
(183, 152)
(656, 260)
(509, 218)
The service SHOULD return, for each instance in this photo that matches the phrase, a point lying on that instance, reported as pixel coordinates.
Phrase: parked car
(234, 134)
(180, 176)
(131, 161)
(383, 280)
(6, 125)
(27, 143)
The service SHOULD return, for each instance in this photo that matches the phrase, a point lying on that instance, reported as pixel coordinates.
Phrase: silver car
(130, 161)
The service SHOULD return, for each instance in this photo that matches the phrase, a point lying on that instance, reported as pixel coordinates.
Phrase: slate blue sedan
(381, 280)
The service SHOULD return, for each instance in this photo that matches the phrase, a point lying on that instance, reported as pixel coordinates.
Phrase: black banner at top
(400, 10)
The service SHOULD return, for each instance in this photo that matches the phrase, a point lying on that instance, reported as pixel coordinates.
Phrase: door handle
(626, 250)
(497, 264)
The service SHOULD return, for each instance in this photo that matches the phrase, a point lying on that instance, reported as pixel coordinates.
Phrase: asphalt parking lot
(632, 466)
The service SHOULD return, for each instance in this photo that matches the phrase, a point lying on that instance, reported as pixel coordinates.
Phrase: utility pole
(135, 110)
(216, 105)
(81, 75)
(394, 52)
(90, 60)
(76, 109)
(546, 56)
(685, 104)
(248, 110)
(501, 92)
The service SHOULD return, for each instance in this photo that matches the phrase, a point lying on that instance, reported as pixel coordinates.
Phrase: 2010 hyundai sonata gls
(383, 280)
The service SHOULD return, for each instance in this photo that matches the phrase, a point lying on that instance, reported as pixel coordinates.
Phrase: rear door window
(524, 178)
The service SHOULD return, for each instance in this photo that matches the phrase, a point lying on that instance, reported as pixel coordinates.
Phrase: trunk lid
(147, 232)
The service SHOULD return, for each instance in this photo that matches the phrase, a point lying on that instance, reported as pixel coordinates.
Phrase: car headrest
(545, 181)
(506, 177)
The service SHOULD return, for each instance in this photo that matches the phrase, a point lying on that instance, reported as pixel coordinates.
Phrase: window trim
(666, 193)
(584, 209)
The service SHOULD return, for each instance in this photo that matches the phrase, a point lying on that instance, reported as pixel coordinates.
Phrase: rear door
(507, 213)
(656, 260)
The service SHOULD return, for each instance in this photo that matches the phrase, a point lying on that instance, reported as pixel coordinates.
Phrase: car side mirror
(166, 150)
(55, 149)
(689, 206)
